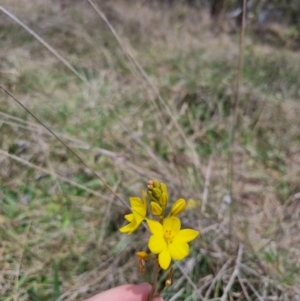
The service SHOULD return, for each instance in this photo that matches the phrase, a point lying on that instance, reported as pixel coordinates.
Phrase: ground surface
(158, 105)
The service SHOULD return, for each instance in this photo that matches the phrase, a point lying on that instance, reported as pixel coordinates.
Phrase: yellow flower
(169, 241)
(139, 208)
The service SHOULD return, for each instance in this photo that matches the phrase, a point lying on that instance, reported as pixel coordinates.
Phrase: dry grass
(59, 236)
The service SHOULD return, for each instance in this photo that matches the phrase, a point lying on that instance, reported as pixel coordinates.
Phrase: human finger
(127, 292)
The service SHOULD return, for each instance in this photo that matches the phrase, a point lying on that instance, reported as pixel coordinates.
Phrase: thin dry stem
(206, 185)
(217, 277)
(177, 295)
(244, 288)
(258, 296)
(234, 274)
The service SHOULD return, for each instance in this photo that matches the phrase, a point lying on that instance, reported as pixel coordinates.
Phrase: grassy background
(60, 240)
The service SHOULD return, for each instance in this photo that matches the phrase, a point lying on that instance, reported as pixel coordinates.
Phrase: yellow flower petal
(164, 259)
(138, 208)
(178, 250)
(172, 224)
(135, 201)
(131, 227)
(156, 244)
(155, 227)
(129, 217)
(167, 240)
(186, 235)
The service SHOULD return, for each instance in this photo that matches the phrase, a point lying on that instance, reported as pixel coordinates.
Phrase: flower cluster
(167, 241)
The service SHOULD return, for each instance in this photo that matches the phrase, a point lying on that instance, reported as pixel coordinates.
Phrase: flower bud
(143, 255)
(163, 188)
(156, 184)
(163, 200)
(150, 184)
(156, 192)
(178, 207)
(155, 209)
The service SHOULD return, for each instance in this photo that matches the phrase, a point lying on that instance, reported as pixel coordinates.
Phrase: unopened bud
(156, 192)
(163, 200)
(156, 183)
(178, 207)
(150, 184)
(143, 255)
(155, 209)
(149, 192)
(163, 187)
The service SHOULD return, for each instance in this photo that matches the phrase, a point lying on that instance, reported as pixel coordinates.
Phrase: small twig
(243, 288)
(251, 271)
(50, 48)
(234, 274)
(206, 185)
(177, 295)
(217, 277)
(190, 281)
(259, 297)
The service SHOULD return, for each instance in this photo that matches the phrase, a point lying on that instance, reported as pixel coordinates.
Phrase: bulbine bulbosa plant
(167, 241)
